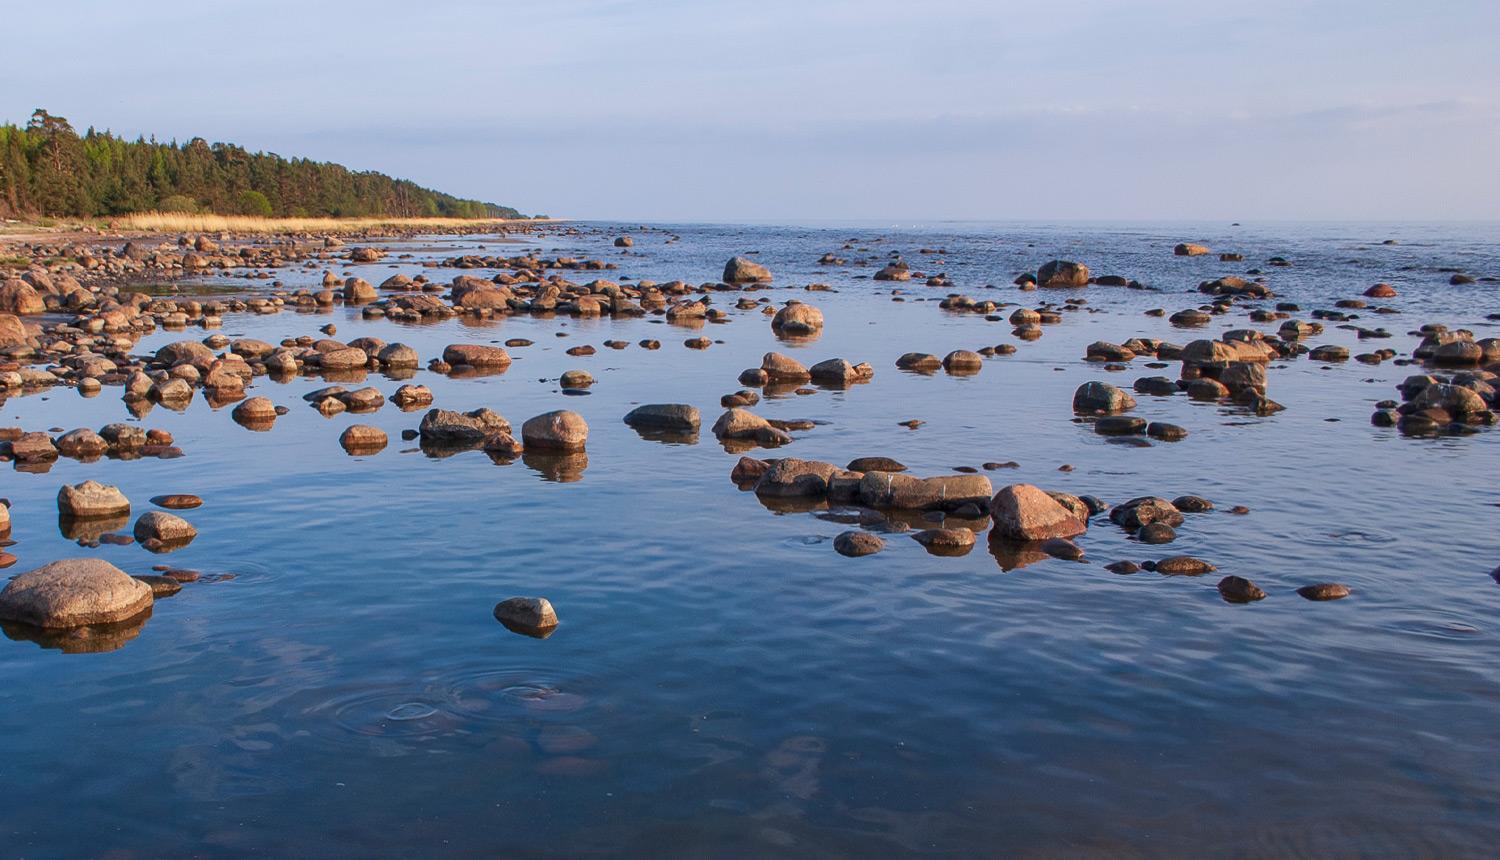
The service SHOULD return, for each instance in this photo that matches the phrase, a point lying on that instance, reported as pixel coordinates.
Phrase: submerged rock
(1324, 591)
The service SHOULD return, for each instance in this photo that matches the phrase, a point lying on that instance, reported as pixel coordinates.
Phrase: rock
(476, 355)
(177, 501)
(12, 330)
(90, 500)
(1192, 504)
(412, 396)
(837, 371)
(19, 298)
(797, 318)
(1145, 510)
(678, 417)
(897, 271)
(857, 543)
(1381, 291)
(1062, 548)
(161, 586)
(363, 439)
(164, 529)
(742, 271)
(898, 490)
(574, 380)
(1124, 568)
(399, 356)
(33, 448)
(1183, 565)
(1324, 591)
(748, 470)
(443, 426)
(1237, 589)
(1329, 352)
(1156, 533)
(503, 446)
(560, 430)
(1062, 273)
(1120, 425)
(81, 443)
(919, 361)
(945, 541)
(1188, 249)
(1027, 513)
(623, 241)
(1101, 398)
(123, 437)
(783, 368)
(875, 464)
(743, 424)
(528, 614)
(358, 291)
(1166, 432)
(73, 592)
(793, 478)
(255, 411)
(961, 361)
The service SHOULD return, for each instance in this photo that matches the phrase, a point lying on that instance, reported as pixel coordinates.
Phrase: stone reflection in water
(1013, 554)
(564, 468)
(91, 529)
(89, 639)
(666, 437)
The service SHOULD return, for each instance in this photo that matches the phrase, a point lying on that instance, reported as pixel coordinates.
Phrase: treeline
(46, 168)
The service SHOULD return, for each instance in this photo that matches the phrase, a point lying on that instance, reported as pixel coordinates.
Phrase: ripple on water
(506, 694)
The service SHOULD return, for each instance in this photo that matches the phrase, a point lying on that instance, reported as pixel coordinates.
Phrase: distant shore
(154, 223)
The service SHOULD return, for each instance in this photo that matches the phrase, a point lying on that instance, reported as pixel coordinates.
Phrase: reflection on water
(90, 639)
(728, 684)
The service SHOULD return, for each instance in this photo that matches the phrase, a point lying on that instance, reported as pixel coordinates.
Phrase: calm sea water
(723, 683)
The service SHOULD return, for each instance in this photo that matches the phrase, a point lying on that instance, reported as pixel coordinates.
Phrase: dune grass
(191, 222)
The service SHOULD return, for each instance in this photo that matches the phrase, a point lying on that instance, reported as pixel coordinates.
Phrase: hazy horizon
(879, 111)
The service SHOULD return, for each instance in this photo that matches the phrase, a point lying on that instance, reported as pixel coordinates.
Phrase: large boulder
(476, 355)
(19, 297)
(560, 430)
(664, 416)
(1062, 273)
(898, 490)
(12, 330)
(793, 478)
(1095, 398)
(444, 426)
(90, 500)
(358, 291)
(797, 318)
(742, 271)
(74, 592)
(1028, 513)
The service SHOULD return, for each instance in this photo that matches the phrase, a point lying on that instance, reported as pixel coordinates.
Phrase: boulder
(74, 592)
(855, 544)
(837, 371)
(1062, 273)
(1101, 398)
(797, 318)
(164, 528)
(793, 478)
(91, 500)
(1143, 510)
(476, 355)
(363, 439)
(444, 426)
(527, 614)
(665, 416)
(783, 368)
(742, 271)
(899, 490)
(560, 430)
(1028, 513)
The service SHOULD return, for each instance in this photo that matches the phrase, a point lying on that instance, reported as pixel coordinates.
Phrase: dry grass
(184, 222)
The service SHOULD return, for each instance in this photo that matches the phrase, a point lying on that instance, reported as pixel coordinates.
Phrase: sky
(799, 110)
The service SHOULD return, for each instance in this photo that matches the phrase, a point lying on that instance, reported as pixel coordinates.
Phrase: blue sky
(729, 110)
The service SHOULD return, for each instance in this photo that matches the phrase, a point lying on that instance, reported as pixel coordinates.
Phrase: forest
(48, 169)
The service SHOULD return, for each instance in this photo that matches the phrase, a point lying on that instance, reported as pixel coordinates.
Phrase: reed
(191, 222)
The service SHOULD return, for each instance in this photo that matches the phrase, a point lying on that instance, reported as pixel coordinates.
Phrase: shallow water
(722, 682)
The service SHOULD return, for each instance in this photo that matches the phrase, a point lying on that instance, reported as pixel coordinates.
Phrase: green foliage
(254, 203)
(177, 203)
(46, 168)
